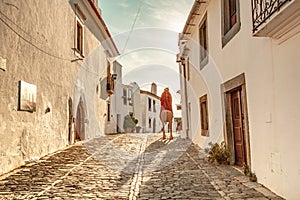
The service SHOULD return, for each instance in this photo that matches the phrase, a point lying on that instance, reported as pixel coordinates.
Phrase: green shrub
(253, 177)
(217, 153)
(247, 172)
(129, 122)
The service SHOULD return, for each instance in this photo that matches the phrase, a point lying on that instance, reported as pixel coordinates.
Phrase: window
(203, 42)
(130, 97)
(79, 37)
(150, 123)
(204, 115)
(108, 111)
(154, 109)
(110, 82)
(149, 104)
(124, 96)
(231, 20)
(184, 70)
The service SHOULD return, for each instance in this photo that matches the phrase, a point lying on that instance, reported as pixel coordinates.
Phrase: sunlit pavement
(129, 166)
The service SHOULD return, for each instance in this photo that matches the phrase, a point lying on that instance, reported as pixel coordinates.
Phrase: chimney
(154, 88)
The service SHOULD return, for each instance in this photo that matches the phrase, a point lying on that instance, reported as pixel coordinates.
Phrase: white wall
(273, 91)
(136, 99)
(150, 114)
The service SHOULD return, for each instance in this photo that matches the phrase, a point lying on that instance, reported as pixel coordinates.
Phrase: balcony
(279, 19)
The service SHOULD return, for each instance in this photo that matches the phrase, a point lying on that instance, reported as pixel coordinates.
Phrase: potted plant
(138, 129)
(129, 123)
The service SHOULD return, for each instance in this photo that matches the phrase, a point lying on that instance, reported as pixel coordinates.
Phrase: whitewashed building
(130, 99)
(239, 65)
(125, 100)
(150, 107)
(57, 64)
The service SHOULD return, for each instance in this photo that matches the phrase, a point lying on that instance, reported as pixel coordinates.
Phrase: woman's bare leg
(163, 130)
(170, 116)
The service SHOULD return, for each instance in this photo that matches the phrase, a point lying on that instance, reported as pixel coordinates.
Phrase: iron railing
(262, 10)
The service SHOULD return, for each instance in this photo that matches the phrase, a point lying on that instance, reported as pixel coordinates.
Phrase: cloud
(122, 4)
(169, 14)
(147, 57)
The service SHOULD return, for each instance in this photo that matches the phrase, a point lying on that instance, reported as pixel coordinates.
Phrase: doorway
(79, 125)
(236, 127)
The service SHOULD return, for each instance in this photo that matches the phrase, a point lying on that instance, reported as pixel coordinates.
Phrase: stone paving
(129, 166)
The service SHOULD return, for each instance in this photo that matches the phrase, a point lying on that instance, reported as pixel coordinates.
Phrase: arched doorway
(80, 127)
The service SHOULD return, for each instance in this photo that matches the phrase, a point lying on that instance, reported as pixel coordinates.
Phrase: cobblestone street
(129, 166)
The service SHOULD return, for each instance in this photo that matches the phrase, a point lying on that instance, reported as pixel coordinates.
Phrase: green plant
(218, 153)
(129, 122)
(246, 169)
(247, 172)
(253, 177)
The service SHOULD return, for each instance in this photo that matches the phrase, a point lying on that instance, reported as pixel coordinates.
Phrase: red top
(166, 101)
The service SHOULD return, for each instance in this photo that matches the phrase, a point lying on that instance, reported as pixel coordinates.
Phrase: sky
(146, 34)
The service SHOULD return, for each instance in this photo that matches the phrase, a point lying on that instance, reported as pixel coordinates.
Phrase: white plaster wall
(116, 104)
(24, 135)
(136, 100)
(146, 114)
(143, 111)
(183, 105)
(273, 90)
(284, 164)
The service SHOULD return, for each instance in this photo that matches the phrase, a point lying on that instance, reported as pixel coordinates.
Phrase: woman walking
(166, 111)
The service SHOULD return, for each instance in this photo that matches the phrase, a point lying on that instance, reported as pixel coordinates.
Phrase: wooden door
(238, 132)
(80, 134)
(78, 124)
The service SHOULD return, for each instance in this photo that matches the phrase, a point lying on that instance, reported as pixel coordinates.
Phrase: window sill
(78, 53)
(230, 34)
(203, 62)
(204, 133)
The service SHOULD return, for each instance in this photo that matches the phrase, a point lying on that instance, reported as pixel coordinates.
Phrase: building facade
(49, 74)
(150, 107)
(239, 83)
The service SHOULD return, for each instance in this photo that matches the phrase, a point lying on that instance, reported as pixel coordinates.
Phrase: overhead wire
(83, 66)
(133, 25)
